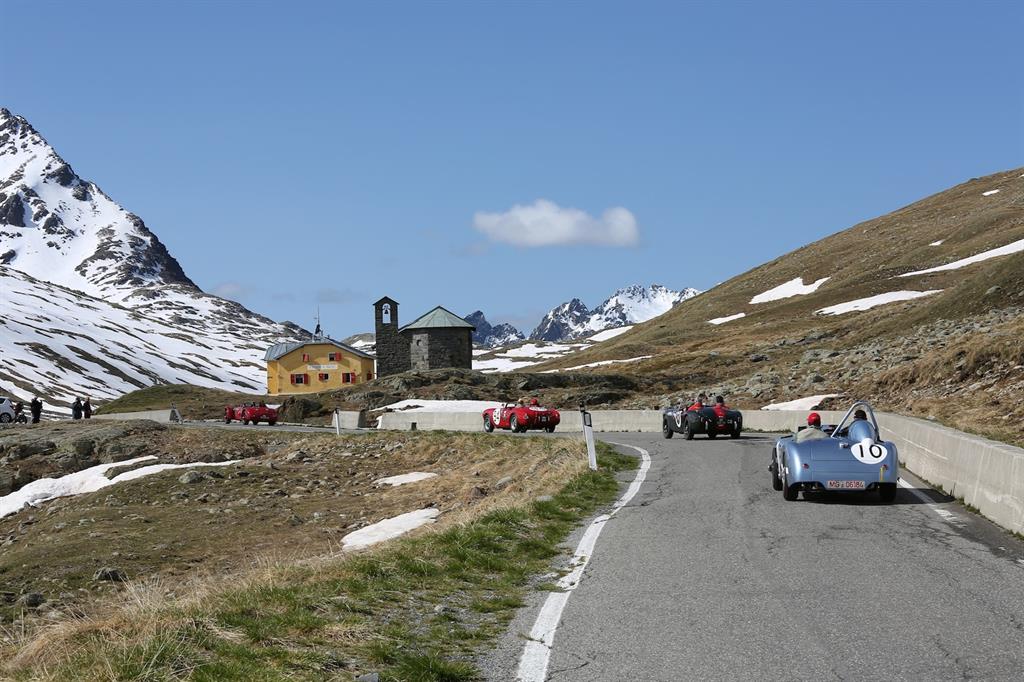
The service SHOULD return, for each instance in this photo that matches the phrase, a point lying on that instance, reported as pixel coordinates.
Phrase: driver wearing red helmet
(813, 430)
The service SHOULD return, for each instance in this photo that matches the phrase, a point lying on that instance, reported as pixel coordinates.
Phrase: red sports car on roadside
(521, 418)
(251, 413)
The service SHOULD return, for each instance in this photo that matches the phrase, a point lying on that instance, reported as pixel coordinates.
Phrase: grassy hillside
(785, 349)
(193, 402)
(237, 572)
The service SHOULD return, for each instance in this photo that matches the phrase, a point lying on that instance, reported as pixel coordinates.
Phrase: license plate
(543, 419)
(846, 485)
(721, 422)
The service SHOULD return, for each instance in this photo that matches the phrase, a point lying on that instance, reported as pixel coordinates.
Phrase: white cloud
(545, 223)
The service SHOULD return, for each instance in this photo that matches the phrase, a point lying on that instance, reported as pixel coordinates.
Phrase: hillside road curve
(708, 574)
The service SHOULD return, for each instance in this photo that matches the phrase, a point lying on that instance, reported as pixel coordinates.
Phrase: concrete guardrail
(162, 416)
(349, 419)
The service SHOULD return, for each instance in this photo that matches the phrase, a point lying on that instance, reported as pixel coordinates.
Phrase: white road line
(946, 515)
(533, 664)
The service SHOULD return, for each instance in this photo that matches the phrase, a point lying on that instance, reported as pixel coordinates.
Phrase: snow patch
(794, 287)
(415, 405)
(402, 479)
(1014, 247)
(873, 301)
(609, 334)
(808, 403)
(86, 481)
(990, 193)
(389, 528)
(730, 318)
(602, 363)
(938, 243)
(500, 364)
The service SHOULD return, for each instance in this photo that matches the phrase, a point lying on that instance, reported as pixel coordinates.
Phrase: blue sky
(300, 154)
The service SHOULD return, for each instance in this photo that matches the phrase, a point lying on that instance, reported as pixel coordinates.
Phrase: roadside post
(337, 421)
(588, 434)
(175, 415)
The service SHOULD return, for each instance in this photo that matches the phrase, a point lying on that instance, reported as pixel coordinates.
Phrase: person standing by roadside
(36, 408)
(87, 409)
(76, 409)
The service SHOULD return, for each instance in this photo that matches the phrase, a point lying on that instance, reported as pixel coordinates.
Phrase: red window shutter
(305, 378)
(305, 357)
(292, 377)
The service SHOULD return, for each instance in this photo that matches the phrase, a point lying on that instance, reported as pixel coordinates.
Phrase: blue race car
(851, 457)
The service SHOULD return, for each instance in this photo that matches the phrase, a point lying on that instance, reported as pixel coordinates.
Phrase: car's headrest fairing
(861, 430)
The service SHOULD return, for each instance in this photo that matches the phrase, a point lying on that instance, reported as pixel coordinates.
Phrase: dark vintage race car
(849, 457)
(250, 414)
(712, 420)
(521, 418)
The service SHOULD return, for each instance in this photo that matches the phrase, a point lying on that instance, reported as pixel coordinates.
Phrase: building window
(348, 378)
(369, 376)
(333, 357)
(300, 378)
(324, 376)
(305, 357)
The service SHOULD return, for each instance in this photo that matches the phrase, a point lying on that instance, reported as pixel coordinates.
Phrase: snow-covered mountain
(93, 303)
(492, 336)
(632, 305)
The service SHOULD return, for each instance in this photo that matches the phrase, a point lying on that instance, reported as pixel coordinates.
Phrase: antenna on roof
(319, 332)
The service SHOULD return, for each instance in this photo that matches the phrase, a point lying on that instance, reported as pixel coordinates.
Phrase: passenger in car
(813, 430)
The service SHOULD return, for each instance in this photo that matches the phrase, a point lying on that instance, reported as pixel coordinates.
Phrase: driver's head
(814, 419)
(860, 414)
(533, 401)
(720, 400)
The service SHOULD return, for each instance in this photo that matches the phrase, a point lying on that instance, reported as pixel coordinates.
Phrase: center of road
(533, 664)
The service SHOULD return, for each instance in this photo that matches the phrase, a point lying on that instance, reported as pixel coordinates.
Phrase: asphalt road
(708, 574)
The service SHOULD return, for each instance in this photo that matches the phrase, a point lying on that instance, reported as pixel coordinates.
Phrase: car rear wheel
(245, 422)
(712, 433)
(789, 492)
(5, 418)
(227, 420)
(774, 468)
(735, 433)
(666, 430)
(687, 430)
(488, 424)
(513, 423)
(549, 429)
(255, 421)
(887, 493)
(271, 423)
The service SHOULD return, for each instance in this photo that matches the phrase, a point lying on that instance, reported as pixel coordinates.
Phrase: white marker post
(588, 434)
(337, 421)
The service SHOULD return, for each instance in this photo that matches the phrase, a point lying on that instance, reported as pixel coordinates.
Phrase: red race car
(250, 413)
(521, 418)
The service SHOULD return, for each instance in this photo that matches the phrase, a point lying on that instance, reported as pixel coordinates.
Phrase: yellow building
(313, 366)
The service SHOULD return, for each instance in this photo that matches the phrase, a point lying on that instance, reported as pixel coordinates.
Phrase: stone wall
(419, 350)
(451, 348)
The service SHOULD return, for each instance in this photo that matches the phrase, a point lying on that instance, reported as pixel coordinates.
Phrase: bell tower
(392, 348)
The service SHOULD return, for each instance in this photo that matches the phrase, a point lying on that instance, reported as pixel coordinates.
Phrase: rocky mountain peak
(57, 227)
(492, 336)
(93, 302)
(629, 305)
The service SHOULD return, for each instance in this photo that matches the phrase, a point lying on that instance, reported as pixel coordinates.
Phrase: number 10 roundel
(868, 452)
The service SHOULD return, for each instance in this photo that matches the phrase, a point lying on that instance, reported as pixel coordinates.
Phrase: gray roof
(281, 349)
(439, 318)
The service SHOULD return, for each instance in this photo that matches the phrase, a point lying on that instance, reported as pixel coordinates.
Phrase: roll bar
(849, 412)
